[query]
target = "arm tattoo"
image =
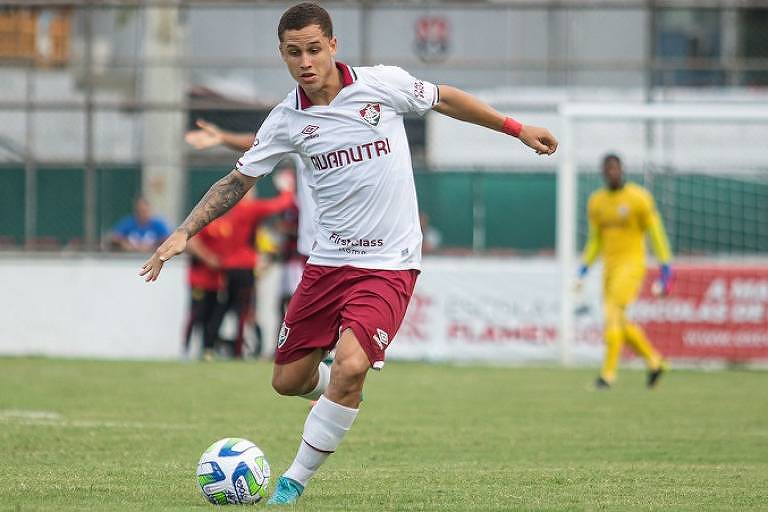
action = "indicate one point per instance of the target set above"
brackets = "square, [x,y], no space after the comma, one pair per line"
[223,195]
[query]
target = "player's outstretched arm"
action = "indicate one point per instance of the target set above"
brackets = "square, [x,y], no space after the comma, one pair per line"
[222,196]
[590,253]
[465,107]
[661,249]
[210,135]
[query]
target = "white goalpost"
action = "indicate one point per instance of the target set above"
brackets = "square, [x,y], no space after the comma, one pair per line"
[707,165]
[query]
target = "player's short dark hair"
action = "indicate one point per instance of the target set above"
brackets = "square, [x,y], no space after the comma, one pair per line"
[303,15]
[611,156]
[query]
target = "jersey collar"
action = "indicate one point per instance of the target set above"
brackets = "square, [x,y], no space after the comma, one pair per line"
[348,77]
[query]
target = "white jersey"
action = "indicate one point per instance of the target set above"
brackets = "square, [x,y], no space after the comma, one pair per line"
[358,165]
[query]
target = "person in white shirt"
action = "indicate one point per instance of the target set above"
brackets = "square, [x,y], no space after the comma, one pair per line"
[346,124]
[299,235]
[209,135]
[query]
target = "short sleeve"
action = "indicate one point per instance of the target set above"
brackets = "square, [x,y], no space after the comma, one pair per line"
[271,145]
[408,94]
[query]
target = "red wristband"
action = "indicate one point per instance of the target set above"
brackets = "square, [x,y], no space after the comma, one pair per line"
[512,127]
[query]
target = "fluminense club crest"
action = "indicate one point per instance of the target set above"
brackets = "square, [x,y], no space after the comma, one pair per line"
[283,336]
[433,36]
[371,113]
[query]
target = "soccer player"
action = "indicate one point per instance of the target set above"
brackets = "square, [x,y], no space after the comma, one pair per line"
[619,217]
[205,282]
[297,224]
[231,239]
[346,123]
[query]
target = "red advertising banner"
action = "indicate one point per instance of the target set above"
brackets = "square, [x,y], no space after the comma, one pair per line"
[510,311]
[713,312]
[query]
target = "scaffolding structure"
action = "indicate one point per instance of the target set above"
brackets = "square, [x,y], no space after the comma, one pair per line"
[37,36]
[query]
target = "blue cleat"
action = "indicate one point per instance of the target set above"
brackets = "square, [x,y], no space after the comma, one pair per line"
[286,492]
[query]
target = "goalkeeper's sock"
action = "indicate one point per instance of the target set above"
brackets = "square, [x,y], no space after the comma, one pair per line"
[326,425]
[637,339]
[323,378]
[614,340]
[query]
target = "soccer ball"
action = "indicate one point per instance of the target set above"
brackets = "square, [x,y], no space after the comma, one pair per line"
[233,470]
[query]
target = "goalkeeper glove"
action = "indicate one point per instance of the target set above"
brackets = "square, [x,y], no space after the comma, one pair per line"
[578,284]
[664,283]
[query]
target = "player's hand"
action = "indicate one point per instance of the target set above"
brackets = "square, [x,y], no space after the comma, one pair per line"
[662,286]
[284,181]
[581,306]
[578,283]
[209,135]
[173,245]
[540,139]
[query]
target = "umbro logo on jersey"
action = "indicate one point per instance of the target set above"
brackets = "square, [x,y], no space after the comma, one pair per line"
[381,338]
[371,113]
[309,129]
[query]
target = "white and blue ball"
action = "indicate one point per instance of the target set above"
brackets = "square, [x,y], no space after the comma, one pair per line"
[233,471]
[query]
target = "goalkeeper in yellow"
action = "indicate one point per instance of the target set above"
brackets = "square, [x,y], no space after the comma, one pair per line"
[619,217]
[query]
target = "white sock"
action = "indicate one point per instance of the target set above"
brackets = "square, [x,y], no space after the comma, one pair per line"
[326,425]
[323,378]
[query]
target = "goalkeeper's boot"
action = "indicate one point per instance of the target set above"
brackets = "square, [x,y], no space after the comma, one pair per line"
[602,385]
[286,492]
[655,375]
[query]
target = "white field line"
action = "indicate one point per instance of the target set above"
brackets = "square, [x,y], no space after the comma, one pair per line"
[54,419]
[27,415]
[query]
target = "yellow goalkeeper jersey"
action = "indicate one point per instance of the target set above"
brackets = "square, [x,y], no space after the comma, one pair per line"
[618,221]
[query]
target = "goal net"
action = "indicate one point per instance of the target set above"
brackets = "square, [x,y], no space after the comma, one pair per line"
[706,166]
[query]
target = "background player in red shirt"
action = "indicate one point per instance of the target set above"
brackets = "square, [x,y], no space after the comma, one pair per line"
[293,258]
[205,282]
[221,273]
[231,239]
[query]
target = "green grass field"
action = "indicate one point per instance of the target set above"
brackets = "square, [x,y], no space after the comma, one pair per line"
[86,435]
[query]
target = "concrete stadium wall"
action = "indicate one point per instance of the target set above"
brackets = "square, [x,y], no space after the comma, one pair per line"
[495,310]
[89,307]
[96,306]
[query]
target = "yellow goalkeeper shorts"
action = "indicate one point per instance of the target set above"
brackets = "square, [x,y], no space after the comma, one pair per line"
[621,284]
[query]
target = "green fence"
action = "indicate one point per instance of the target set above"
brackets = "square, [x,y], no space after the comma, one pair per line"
[702,213]
[11,206]
[60,203]
[464,206]
[486,211]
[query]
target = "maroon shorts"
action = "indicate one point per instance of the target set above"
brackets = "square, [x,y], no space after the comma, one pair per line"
[330,300]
